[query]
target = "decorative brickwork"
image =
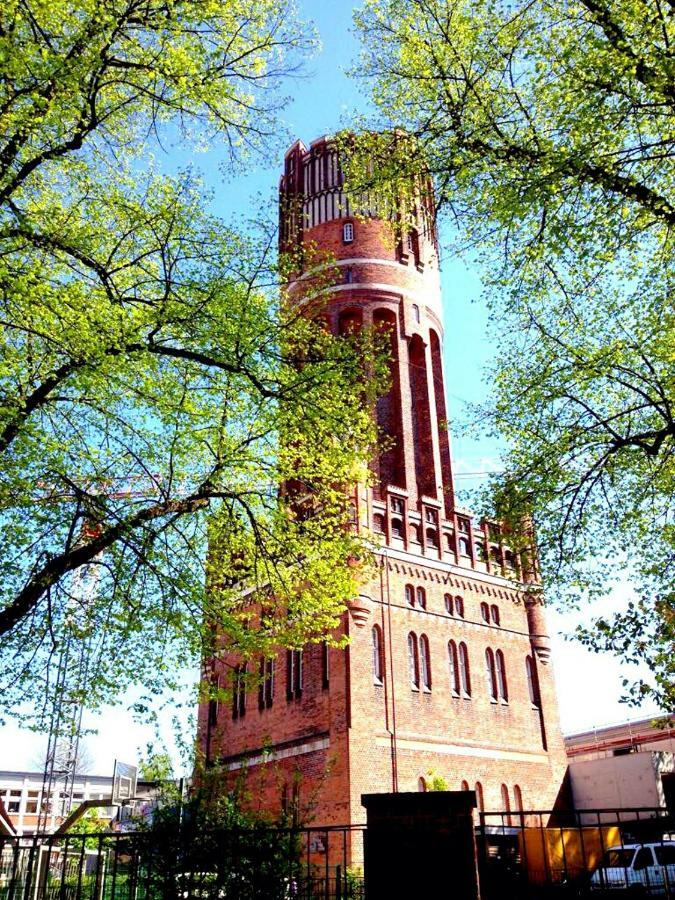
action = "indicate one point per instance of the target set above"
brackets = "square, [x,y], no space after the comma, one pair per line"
[445,687]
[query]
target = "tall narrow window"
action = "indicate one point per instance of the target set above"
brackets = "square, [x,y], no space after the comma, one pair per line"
[239,691]
[425,662]
[293,674]
[459,607]
[464,671]
[413,662]
[494,614]
[502,684]
[421,597]
[421,785]
[491,674]
[506,805]
[518,798]
[480,803]
[378,655]
[454,668]
[348,232]
[464,786]
[325,665]
[532,686]
[449,605]
[266,686]
[485,612]
[409,595]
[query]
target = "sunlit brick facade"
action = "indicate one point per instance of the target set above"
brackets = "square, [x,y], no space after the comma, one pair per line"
[447,670]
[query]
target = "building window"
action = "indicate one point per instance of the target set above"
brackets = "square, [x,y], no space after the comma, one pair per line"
[213,704]
[396,505]
[378,655]
[502,684]
[266,687]
[463,547]
[464,786]
[421,598]
[348,232]
[415,534]
[32,802]
[325,665]
[480,551]
[430,516]
[416,312]
[464,671]
[397,528]
[478,788]
[348,275]
[494,614]
[421,785]
[506,805]
[410,595]
[485,612]
[413,662]
[239,691]
[378,523]
[449,605]
[293,674]
[491,674]
[13,801]
[425,662]
[518,798]
[532,686]
[453,663]
[459,607]
[432,537]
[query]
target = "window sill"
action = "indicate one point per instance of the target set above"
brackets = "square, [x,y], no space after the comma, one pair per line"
[426,690]
[414,688]
[503,702]
[466,696]
[377,682]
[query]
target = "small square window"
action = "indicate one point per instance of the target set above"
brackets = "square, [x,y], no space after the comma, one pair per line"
[348,232]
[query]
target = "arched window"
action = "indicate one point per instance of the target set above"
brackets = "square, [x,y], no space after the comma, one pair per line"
[506,805]
[454,668]
[421,785]
[464,672]
[414,533]
[485,612]
[480,803]
[494,614]
[432,537]
[293,674]
[459,607]
[449,605]
[266,685]
[532,686]
[409,595]
[502,684]
[517,798]
[463,546]
[413,661]
[491,674]
[421,596]
[378,523]
[378,655]
[425,662]
[239,691]
[464,786]
[348,232]
[397,528]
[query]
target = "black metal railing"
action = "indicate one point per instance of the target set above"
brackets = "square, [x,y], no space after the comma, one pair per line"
[250,864]
[584,853]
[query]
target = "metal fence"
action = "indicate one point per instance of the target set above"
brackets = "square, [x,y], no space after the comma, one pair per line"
[596,853]
[247,864]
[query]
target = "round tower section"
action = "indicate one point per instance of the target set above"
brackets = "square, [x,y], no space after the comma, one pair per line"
[358,267]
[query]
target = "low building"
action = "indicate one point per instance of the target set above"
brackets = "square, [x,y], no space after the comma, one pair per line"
[21,794]
[625,766]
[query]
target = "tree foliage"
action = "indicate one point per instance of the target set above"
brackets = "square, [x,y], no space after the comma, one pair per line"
[548,127]
[153,385]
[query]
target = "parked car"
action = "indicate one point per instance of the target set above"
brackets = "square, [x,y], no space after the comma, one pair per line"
[643,869]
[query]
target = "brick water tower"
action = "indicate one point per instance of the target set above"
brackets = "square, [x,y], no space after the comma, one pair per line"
[447,669]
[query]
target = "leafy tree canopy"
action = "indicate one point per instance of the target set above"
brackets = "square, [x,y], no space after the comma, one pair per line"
[152,386]
[549,129]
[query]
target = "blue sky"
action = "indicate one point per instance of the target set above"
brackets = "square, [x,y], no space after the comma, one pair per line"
[325,99]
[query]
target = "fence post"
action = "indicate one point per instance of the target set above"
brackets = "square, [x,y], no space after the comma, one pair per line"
[417,844]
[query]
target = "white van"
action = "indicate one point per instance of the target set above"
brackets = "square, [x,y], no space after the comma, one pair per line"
[647,869]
